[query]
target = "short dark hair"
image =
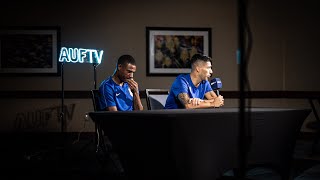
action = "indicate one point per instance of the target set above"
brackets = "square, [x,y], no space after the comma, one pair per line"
[126,59]
[199,57]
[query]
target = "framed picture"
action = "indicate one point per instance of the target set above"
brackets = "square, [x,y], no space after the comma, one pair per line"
[169,50]
[29,51]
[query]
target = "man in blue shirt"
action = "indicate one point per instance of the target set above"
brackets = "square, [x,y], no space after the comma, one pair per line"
[120,91]
[193,90]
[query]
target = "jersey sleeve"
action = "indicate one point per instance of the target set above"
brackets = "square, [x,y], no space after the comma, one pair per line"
[208,87]
[108,96]
[180,86]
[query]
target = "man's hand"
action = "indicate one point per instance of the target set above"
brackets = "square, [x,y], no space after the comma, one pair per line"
[218,101]
[133,85]
[195,101]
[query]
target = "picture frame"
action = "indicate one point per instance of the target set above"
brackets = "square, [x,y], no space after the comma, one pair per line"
[29,51]
[169,49]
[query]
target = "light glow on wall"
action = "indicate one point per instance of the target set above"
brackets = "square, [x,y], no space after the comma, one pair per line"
[80,55]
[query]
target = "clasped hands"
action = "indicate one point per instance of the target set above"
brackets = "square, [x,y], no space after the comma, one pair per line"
[216,102]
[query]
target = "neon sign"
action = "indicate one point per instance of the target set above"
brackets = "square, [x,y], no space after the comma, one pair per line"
[80,55]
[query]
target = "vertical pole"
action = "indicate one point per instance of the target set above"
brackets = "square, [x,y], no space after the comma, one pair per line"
[62,100]
[242,154]
[94,76]
[95,87]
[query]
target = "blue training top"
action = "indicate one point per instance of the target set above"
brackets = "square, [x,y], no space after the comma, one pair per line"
[116,95]
[183,84]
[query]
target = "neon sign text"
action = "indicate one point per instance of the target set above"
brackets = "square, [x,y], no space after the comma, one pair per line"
[80,55]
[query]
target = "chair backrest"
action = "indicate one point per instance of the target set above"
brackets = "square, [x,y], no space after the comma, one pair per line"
[96,95]
[156,98]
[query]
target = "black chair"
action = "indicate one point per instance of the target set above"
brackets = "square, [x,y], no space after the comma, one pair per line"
[103,144]
[95,96]
[156,98]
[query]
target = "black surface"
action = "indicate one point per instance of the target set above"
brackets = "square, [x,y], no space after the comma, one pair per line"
[199,144]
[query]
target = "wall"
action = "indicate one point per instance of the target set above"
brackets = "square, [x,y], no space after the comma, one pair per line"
[284,54]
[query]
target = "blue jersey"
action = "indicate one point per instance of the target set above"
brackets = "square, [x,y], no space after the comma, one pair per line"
[116,95]
[183,84]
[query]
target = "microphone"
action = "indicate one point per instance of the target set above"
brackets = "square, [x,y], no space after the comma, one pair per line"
[216,84]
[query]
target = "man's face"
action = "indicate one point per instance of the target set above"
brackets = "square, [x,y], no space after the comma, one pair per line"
[205,70]
[126,71]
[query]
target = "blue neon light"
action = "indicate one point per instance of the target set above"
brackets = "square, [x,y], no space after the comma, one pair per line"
[80,55]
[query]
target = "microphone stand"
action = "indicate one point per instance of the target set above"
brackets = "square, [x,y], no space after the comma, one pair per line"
[95,87]
[62,116]
[62,99]
[95,141]
[94,75]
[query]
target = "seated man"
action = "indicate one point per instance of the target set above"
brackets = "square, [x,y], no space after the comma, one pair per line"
[120,91]
[193,90]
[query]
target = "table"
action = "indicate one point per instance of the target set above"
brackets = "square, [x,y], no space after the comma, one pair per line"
[198,144]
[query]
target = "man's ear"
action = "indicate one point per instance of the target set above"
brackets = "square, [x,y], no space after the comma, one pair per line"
[119,66]
[197,68]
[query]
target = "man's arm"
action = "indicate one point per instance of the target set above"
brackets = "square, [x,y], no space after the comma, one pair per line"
[112,108]
[219,100]
[137,105]
[210,95]
[195,103]
[108,97]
